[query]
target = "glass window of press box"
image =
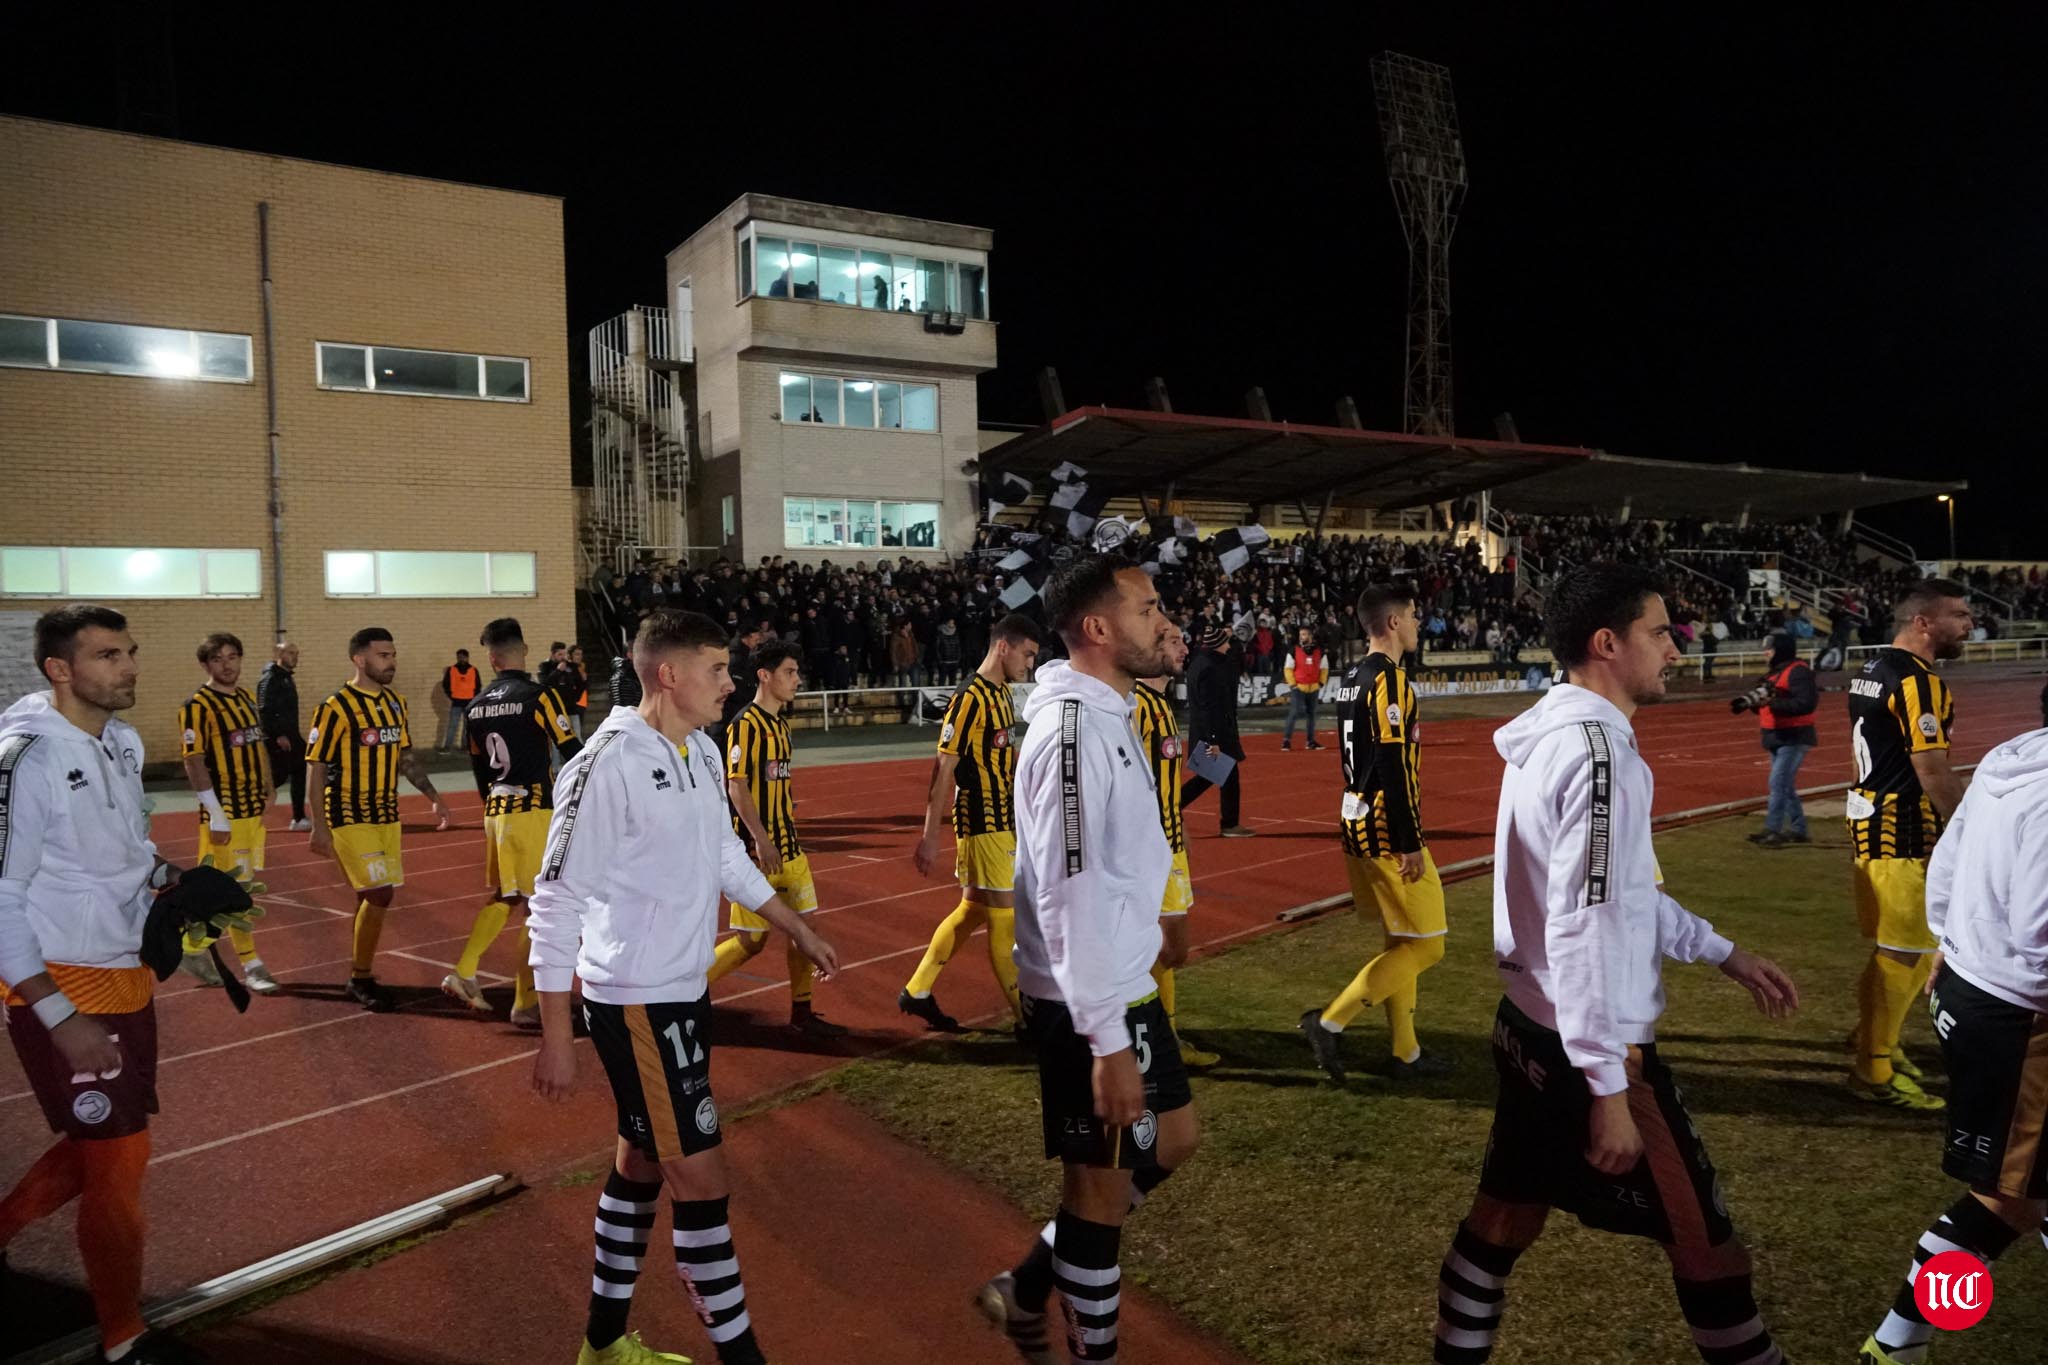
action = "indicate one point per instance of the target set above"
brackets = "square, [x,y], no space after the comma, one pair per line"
[859,523]
[882,404]
[778,264]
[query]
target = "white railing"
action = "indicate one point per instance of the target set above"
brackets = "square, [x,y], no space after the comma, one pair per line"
[1884,544]
[1729,665]
[639,441]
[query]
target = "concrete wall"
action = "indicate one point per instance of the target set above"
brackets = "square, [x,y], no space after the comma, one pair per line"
[117,228]
[742,345]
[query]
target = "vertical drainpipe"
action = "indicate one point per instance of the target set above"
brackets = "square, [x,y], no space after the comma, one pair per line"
[270,404]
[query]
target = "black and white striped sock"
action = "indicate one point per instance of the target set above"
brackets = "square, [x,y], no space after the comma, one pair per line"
[711,1276]
[625,1213]
[1471,1296]
[1726,1326]
[1967,1226]
[1085,1272]
[1034,1273]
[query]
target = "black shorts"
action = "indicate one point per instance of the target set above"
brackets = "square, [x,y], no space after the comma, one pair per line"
[1066,1085]
[1997,1055]
[658,1057]
[1536,1153]
[88,1106]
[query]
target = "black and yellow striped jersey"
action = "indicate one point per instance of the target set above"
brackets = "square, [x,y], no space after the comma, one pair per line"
[979,730]
[513,725]
[1160,731]
[224,729]
[1382,807]
[757,752]
[1898,707]
[359,736]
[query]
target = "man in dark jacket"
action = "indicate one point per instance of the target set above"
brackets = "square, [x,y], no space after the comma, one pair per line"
[277,708]
[1784,702]
[1212,721]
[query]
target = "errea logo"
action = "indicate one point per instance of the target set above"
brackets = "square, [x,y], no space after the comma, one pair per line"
[76,777]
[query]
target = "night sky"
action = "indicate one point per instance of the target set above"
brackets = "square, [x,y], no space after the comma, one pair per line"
[1813,241]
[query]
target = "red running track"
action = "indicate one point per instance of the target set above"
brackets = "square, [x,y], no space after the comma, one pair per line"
[306,1115]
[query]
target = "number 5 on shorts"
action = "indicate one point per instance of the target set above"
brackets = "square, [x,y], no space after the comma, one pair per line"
[1143,1047]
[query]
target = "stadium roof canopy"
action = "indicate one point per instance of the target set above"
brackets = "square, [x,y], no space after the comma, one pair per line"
[1131,452]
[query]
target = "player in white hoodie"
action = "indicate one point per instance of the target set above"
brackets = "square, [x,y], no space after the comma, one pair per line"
[641,857]
[1588,1118]
[1987,904]
[1092,864]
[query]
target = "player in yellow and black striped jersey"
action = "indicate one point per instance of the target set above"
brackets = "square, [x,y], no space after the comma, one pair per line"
[758,758]
[974,779]
[1900,716]
[359,744]
[227,763]
[1388,861]
[514,726]
[1159,731]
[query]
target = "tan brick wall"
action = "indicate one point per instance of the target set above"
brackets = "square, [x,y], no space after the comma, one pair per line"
[127,229]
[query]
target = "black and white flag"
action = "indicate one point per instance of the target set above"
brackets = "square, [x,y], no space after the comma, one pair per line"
[1234,547]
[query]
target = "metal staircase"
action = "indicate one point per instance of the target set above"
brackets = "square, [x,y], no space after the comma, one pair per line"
[640,444]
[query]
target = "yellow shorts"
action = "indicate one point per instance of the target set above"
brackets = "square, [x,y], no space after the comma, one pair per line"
[1407,909]
[514,845]
[793,884]
[1180,888]
[1891,903]
[369,855]
[987,862]
[242,854]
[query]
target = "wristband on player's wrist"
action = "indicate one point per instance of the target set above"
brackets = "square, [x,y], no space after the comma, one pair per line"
[53,1009]
[216,818]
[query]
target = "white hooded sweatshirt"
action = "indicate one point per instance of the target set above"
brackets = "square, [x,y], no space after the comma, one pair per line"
[1092,860]
[1987,884]
[641,857]
[75,853]
[1580,924]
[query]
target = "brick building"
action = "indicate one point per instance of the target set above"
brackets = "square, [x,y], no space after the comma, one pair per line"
[419,329]
[832,392]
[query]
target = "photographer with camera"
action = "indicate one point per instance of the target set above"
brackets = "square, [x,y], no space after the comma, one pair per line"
[1784,702]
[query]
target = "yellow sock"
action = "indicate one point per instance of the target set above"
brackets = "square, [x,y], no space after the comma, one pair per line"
[966,917]
[489,922]
[523,994]
[1385,976]
[801,976]
[1002,940]
[1883,995]
[369,928]
[1162,976]
[245,944]
[731,952]
[1401,1024]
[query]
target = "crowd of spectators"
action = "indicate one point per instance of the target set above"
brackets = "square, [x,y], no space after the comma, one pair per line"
[912,622]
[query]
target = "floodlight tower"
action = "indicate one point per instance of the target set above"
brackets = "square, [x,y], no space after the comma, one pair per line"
[1426,168]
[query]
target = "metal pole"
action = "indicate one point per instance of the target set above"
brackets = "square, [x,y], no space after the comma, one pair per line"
[1951,528]
[270,407]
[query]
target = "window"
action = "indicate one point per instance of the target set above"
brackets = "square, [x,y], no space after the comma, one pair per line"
[838,274]
[727,523]
[431,573]
[774,264]
[100,571]
[117,348]
[859,402]
[423,374]
[859,523]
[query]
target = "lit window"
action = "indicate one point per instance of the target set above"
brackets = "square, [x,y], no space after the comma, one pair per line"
[866,403]
[104,571]
[776,264]
[423,374]
[859,523]
[117,348]
[431,573]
